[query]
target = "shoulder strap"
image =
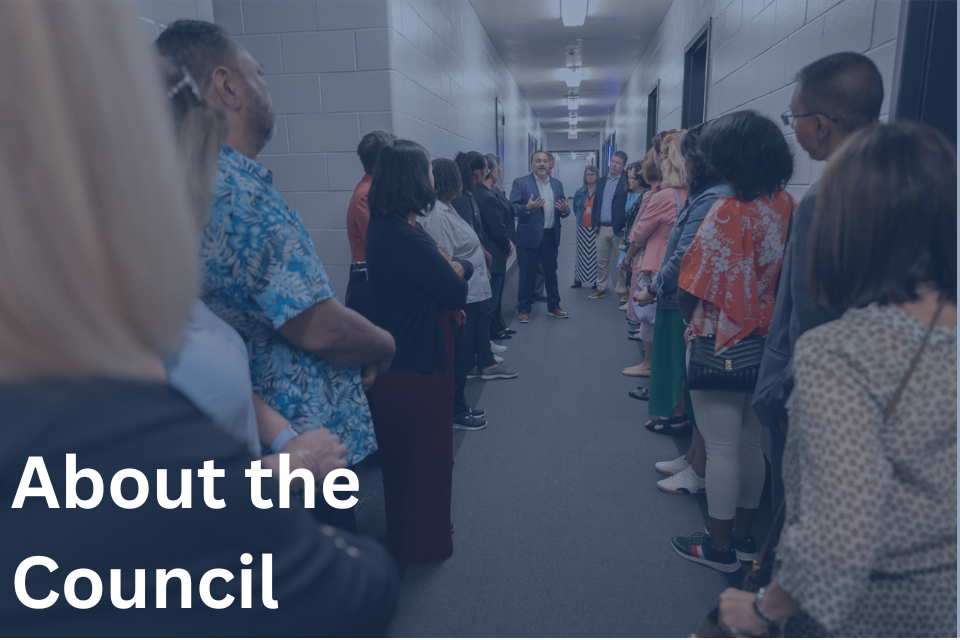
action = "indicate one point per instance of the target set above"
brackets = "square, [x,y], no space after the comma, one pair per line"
[676,197]
[913,363]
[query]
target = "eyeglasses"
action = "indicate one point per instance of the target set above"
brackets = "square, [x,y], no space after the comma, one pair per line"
[786,115]
[186,82]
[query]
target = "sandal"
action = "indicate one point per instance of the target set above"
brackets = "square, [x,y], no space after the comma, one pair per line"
[677,427]
[641,393]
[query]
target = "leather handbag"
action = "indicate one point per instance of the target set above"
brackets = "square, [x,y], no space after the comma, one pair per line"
[733,370]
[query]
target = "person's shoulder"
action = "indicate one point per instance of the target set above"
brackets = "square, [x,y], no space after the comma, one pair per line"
[847,338]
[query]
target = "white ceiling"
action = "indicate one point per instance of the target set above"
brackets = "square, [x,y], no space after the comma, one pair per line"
[534,44]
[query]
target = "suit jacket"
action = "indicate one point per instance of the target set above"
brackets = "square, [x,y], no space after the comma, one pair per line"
[618,208]
[530,223]
[496,239]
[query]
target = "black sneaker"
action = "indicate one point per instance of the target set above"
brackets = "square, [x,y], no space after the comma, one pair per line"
[698,549]
[746,547]
[468,422]
[476,413]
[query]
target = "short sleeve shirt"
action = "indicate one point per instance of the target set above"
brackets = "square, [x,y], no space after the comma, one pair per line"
[259,270]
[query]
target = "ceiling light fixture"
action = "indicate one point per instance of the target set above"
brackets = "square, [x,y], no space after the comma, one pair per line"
[572,76]
[573,12]
[573,103]
[573,155]
[572,119]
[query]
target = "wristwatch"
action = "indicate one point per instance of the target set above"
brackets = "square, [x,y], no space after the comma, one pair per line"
[757,599]
[289,432]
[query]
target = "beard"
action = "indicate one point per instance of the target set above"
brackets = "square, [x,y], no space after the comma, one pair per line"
[261,114]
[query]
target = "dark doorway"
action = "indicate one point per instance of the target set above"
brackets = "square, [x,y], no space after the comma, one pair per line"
[928,73]
[652,116]
[695,79]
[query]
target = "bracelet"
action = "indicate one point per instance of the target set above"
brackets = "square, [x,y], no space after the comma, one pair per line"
[757,599]
[289,432]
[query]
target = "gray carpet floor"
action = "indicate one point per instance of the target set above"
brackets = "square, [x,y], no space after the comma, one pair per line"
[560,529]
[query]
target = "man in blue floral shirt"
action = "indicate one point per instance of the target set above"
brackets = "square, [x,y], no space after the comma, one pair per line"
[310,357]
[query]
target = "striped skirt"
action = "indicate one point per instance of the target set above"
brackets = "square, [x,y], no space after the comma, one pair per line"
[586,271]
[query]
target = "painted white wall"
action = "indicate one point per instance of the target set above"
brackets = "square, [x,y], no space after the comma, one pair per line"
[448,76]
[756,49]
[155,15]
[424,70]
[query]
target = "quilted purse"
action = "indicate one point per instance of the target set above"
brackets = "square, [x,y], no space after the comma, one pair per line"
[733,370]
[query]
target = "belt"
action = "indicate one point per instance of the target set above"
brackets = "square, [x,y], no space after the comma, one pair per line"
[358,267]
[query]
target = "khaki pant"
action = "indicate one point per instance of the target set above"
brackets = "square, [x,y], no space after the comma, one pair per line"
[606,243]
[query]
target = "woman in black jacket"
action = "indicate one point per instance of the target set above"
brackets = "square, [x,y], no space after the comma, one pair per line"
[419,294]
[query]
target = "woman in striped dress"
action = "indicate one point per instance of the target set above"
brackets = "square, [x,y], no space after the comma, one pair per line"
[586,270]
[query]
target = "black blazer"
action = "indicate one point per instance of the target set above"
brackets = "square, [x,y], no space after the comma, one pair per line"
[618,208]
[412,282]
[496,238]
[509,221]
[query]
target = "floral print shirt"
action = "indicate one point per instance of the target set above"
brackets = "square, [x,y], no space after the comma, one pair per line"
[732,266]
[259,270]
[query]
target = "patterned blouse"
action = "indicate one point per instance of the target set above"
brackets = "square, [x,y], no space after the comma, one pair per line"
[732,266]
[869,546]
[259,270]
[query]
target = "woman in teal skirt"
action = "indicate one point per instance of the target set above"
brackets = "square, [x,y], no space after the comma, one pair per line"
[670,403]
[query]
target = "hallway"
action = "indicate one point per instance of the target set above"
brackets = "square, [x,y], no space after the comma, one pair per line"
[560,530]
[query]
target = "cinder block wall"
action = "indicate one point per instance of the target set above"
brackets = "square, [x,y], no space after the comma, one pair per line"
[756,49]
[337,69]
[448,77]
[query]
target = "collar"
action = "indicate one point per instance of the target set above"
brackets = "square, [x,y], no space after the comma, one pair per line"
[233,158]
[367,178]
[538,179]
[614,179]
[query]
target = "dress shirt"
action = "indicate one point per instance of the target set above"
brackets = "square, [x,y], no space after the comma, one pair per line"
[358,217]
[606,207]
[546,192]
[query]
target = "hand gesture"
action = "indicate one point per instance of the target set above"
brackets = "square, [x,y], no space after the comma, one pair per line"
[534,204]
[561,205]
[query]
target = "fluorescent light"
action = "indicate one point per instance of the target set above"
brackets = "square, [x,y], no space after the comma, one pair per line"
[572,119]
[572,76]
[573,103]
[573,155]
[573,12]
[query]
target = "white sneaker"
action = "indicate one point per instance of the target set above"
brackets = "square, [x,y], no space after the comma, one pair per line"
[673,467]
[686,481]
[497,358]
[624,306]
[497,348]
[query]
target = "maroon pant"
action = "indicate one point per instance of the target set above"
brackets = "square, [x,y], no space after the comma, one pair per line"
[413,415]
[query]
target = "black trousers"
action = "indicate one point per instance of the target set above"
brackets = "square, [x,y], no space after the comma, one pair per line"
[530,260]
[471,350]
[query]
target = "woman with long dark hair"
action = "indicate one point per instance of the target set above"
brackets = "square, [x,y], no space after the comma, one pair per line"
[419,297]
[869,546]
[727,280]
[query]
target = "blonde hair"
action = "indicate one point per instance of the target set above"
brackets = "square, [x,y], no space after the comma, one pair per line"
[201,131]
[98,247]
[671,168]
